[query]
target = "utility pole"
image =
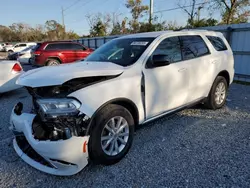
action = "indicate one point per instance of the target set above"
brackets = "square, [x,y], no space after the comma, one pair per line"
[199,13]
[63,18]
[151,11]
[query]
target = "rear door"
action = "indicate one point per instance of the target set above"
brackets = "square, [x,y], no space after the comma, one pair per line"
[68,52]
[80,51]
[197,56]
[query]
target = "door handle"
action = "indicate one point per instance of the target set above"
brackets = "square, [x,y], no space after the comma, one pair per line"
[214,62]
[182,70]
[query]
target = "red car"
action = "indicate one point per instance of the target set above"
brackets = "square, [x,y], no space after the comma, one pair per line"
[55,53]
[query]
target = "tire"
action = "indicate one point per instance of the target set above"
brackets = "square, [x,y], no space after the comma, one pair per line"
[99,131]
[52,62]
[10,51]
[213,101]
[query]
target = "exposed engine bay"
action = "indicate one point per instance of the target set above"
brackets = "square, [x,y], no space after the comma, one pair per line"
[56,126]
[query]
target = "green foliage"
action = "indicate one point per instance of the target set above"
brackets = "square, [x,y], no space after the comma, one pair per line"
[117,29]
[233,11]
[21,32]
[203,22]
[98,29]
[137,10]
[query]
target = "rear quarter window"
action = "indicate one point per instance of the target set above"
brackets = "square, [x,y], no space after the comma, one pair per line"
[217,43]
[193,46]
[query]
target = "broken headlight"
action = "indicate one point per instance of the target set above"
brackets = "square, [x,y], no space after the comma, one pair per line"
[59,107]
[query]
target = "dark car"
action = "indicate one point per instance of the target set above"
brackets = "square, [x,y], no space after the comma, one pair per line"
[12,56]
[55,53]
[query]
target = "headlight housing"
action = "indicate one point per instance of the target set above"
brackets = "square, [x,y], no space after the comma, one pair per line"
[59,107]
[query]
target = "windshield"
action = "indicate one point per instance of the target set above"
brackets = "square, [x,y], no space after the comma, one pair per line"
[123,52]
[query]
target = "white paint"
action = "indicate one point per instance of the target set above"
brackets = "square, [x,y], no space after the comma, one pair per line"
[7,78]
[166,88]
[70,150]
[57,75]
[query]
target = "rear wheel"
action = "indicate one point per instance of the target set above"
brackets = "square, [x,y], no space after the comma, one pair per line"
[112,134]
[52,62]
[218,93]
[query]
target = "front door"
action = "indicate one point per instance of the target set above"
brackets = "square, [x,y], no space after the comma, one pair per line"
[166,86]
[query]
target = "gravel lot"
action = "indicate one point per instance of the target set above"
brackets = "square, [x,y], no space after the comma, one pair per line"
[3,55]
[193,148]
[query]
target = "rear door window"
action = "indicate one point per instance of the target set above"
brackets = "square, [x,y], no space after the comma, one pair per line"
[77,47]
[193,46]
[218,43]
[55,46]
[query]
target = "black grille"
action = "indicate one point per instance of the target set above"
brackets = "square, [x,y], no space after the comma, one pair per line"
[29,151]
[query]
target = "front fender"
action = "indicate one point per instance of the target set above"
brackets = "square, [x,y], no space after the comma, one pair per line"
[95,96]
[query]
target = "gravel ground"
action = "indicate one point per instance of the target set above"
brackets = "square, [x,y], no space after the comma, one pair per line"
[193,148]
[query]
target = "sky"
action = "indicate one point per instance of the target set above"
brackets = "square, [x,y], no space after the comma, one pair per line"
[38,12]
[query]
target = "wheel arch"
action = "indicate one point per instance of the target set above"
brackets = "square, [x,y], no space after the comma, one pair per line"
[126,103]
[226,75]
[53,57]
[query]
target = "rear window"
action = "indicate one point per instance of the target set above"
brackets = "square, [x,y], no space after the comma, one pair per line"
[218,43]
[34,48]
[193,46]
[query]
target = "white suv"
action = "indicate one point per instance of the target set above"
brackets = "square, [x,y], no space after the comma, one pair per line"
[18,47]
[88,110]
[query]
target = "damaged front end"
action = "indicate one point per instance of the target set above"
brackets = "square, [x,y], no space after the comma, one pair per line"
[53,137]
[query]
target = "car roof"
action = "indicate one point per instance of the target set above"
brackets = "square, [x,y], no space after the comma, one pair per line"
[67,41]
[160,33]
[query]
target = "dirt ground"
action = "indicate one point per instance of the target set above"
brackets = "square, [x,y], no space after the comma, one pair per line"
[3,55]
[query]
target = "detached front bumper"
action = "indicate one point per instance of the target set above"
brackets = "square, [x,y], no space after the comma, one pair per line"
[62,157]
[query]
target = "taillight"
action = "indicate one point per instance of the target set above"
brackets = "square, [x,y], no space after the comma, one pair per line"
[16,68]
[37,52]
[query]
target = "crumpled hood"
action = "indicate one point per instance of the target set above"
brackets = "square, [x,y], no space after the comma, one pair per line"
[57,75]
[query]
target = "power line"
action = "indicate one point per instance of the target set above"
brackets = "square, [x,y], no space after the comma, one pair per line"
[176,8]
[77,1]
[85,3]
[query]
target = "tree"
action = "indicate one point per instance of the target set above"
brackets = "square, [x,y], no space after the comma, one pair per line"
[192,11]
[204,22]
[137,10]
[71,35]
[54,30]
[99,24]
[233,11]
[98,29]
[117,29]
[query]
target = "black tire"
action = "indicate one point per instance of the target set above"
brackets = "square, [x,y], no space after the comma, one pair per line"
[97,154]
[52,62]
[211,99]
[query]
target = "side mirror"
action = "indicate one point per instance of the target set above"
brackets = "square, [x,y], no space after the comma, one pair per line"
[160,60]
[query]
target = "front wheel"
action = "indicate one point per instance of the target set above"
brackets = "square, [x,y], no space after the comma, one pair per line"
[112,134]
[218,93]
